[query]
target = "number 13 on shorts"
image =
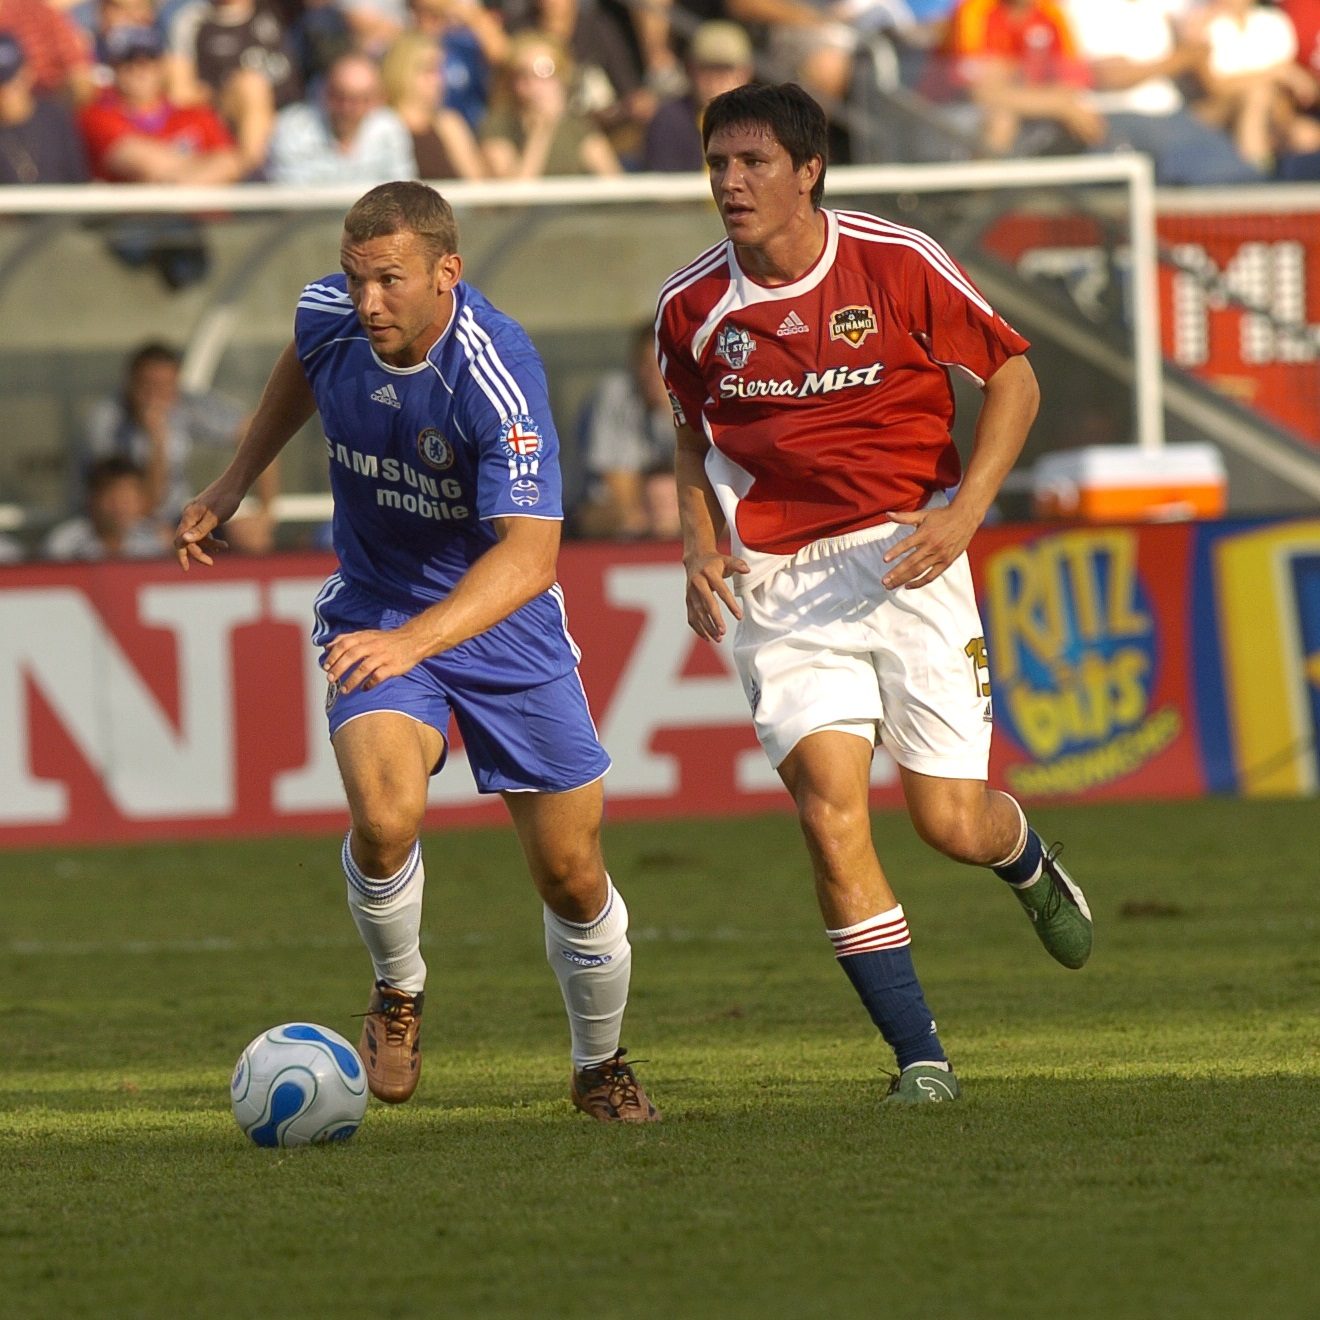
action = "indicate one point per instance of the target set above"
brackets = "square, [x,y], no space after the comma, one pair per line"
[976,652]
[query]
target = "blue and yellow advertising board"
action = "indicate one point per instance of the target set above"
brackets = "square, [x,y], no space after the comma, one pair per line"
[1154,661]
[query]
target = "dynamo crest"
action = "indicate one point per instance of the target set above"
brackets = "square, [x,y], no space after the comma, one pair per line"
[734,345]
[852,324]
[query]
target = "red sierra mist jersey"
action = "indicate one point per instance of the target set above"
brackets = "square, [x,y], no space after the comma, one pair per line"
[827,402]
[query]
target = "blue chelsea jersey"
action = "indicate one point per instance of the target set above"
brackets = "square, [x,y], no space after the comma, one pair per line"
[423,458]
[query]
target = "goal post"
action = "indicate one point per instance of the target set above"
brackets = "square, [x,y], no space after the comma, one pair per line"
[579,262]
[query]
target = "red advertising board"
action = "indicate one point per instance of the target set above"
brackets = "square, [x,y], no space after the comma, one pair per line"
[1239,295]
[137,702]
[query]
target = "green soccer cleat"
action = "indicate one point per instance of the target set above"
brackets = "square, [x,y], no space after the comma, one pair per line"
[922,1084]
[1057,908]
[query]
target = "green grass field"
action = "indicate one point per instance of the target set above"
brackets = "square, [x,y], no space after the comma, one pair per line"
[1137,1139]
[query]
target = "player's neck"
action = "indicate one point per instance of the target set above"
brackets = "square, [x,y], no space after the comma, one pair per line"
[787,256]
[415,353]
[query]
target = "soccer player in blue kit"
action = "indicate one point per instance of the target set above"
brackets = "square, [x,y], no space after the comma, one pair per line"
[444,470]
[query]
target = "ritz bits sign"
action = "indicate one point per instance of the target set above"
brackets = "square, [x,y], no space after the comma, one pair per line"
[1088,662]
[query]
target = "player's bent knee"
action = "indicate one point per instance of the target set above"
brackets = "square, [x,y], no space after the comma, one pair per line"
[831,828]
[387,827]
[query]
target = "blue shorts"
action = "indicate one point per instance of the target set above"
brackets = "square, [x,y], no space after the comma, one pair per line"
[534,739]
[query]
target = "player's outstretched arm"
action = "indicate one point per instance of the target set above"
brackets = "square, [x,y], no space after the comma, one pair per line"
[286,405]
[702,521]
[1008,408]
[516,569]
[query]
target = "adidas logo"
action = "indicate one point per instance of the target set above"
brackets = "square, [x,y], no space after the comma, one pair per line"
[387,395]
[792,324]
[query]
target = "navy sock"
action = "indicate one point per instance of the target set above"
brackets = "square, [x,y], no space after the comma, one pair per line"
[1026,864]
[886,982]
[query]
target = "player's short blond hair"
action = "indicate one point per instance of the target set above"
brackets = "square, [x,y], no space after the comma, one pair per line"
[404,207]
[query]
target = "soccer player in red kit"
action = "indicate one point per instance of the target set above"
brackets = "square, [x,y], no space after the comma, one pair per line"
[808,359]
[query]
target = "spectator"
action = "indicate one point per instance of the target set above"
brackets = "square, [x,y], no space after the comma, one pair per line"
[812,42]
[56,49]
[320,35]
[39,142]
[472,42]
[627,438]
[1136,58]
[1252,85]
[1016,62]
[719,58]
[117,522]
[533,129]
[647,31]
[1305,15]
[1302,160]
[442,141]
[158,426]
[105,15]
[373,24]
[348,136]
[135,134]
[235,55]
[607,85]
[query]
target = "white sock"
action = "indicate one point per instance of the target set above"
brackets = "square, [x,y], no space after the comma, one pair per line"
[593,961]
[388,915]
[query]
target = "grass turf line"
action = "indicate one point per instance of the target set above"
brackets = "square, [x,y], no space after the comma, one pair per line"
[1136,1139]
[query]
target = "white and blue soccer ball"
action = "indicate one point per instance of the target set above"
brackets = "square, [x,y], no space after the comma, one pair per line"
[297,1084]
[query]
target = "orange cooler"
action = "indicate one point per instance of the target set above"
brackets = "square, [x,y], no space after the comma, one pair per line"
[1125,483]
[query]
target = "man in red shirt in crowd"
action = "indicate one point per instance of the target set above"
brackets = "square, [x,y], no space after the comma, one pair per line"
[134,134]
[1305,15]
[1304,165]
[1017,62]
[808,361]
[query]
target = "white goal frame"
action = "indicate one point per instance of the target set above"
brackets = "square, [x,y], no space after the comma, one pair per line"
[1132,170]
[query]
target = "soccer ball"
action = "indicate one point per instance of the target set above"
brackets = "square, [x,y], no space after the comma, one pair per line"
[297,1084]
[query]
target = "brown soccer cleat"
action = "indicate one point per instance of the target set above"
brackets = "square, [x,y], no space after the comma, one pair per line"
[611,1093]
[391,1044]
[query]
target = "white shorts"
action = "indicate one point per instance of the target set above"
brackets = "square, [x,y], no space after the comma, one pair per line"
[823,644]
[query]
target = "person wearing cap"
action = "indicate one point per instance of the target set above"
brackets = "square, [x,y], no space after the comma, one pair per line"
[38,140]
[135,134]
[719,58]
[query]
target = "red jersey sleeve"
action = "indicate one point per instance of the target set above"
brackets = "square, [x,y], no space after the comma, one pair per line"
[687,390]
[950,316]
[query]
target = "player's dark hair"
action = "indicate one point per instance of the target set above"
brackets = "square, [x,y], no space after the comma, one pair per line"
[404,207]
[794,119]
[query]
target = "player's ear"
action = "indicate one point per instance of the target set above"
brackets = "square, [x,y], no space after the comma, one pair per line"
[448,272]
[810,172]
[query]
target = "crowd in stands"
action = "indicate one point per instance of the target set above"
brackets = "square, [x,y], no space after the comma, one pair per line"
[358,91]
[1217,92]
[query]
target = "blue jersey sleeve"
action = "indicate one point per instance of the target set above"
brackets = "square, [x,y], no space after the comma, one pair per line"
[505,410]
[324,314]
